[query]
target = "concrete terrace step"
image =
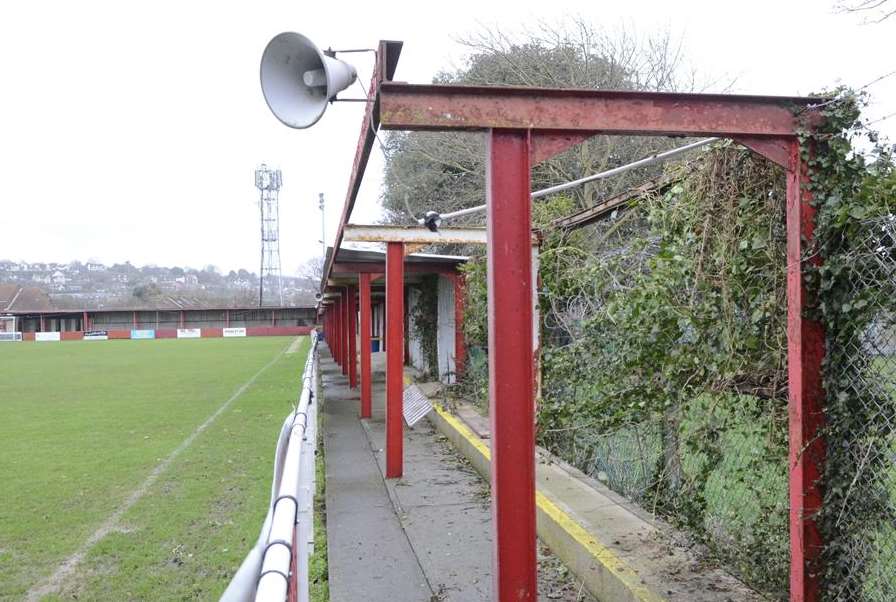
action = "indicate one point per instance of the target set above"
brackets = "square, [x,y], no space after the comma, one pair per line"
[619,551]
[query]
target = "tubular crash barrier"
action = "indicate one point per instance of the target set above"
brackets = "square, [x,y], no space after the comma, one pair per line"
[281,554]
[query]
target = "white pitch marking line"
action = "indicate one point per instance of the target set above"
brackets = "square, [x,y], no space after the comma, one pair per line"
[54,583]
[295,346]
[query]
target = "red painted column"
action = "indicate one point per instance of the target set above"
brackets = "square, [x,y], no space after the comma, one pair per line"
[337,320]
[352,314]
[510,366]
[366,386]
[805,352]
[460,351]
[343,339]
[181,319]
[394,359]
[134,320]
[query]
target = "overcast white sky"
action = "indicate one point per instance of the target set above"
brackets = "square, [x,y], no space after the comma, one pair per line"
[130,131]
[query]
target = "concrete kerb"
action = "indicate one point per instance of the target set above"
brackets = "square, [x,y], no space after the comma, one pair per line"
[604,574]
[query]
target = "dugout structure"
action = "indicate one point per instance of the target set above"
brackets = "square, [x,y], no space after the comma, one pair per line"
[524,126]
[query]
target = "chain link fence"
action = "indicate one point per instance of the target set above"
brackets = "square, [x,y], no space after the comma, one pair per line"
[860,501]
[664,371]
[665,357]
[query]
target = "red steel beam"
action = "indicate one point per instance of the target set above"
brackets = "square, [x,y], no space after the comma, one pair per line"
[366,387]
[552,111]
[386,61]
[352,340]
[805,352]
[511,399]
[394,358]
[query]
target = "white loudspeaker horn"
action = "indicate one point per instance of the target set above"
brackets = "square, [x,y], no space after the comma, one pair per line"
[298,80]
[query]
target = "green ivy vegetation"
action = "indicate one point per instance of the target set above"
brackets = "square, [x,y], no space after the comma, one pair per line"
[855,194]
[664,353]
[425,322]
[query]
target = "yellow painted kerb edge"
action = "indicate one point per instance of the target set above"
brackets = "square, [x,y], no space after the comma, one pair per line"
[602,554]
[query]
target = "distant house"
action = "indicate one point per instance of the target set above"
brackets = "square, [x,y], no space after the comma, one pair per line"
[121,277]
[58,277]
[95,267]
[43,278]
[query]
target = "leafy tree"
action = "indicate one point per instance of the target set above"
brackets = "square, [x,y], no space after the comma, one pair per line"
[147,292]
[444,171]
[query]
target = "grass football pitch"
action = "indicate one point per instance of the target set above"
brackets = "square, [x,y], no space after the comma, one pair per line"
[109,478]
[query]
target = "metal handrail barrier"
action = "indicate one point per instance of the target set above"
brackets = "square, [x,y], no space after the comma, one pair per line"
[267,571]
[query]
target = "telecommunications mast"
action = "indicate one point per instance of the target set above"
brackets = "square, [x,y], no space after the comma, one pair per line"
[270,283]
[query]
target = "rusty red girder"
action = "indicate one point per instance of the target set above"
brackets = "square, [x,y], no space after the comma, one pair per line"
[805,353]
[511,395]
[386,61]
[553,111]
[395,342]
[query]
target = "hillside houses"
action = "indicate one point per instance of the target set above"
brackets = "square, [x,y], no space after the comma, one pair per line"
[94,284]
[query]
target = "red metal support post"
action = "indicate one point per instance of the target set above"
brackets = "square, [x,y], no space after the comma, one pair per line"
[805,352]
[352,314]
[366,386]
[85,322]
[338,320]
[510,365]
[394,358]
[334,340]
[181,320]
[343,329]
[134,320]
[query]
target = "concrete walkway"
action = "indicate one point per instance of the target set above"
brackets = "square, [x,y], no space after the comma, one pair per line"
[424,537]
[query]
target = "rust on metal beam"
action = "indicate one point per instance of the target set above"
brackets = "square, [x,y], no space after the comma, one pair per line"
[545,146]
[387,59]
[548,110]
[776,150]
